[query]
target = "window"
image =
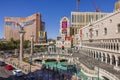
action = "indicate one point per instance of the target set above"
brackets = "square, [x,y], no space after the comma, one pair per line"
[105,31]
[96,32]
[91,30]
[87,34]
[118,27]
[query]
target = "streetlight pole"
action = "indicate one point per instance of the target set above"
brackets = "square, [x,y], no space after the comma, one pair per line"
[98,66]
[32,45]
[32,38]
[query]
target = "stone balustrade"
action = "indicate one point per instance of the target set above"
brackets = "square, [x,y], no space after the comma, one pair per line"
[105,73]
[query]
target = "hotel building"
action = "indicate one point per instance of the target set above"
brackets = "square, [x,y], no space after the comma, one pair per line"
[32,25]
[101,40]
[81,19]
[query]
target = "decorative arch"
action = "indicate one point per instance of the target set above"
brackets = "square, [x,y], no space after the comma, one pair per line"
[97,55]
[114,47]
[119,61]
[108,58]
[113,60]
[117,46]
[100,55]
[104,57]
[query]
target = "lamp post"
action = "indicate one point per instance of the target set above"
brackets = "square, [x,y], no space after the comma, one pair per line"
[32,45]
[32,38]
[98,66]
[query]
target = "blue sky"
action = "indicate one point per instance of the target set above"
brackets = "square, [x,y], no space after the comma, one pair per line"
[51,10]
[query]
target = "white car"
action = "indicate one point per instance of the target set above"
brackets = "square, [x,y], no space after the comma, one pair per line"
[17,72]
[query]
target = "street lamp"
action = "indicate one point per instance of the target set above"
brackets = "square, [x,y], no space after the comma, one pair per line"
[32,38]
[30,61]
[98,66]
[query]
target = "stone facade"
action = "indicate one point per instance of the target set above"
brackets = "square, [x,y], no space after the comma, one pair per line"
[101,39]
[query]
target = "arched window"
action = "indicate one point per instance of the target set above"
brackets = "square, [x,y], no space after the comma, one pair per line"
[118,27]
[96,32]
[105,31]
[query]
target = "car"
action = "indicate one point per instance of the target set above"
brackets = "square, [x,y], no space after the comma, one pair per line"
[2,63]
[8,67]
[17,73]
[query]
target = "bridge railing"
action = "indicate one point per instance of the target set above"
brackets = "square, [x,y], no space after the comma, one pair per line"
[15,65]
[107,74]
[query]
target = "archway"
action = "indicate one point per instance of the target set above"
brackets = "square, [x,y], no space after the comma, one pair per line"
[100,55]
[117,46]
[103,57]
[113,60]
[50,60]
[114,46]
[63,60]
[105,78]
[96,55]
[111,46]
[108,58]
[37,61]
[119,61]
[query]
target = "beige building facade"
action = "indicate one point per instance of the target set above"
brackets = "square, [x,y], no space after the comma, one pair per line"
[33,25]
[81,19]
[101,39]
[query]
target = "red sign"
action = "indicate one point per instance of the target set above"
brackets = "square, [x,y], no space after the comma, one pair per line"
[80,31]
[81,34]
[67,38]
[62,47]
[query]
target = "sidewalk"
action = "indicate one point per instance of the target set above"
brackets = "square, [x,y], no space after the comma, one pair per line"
[25,67]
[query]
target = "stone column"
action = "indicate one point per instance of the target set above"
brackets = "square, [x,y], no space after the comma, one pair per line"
[116,61]
[105,58]
[119,46]
[32,45]
[110,59]
[21,45]
[101,57]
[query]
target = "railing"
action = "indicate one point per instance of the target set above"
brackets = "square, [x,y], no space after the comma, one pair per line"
[107,74]
[52,56]
[88,71]
[15,65]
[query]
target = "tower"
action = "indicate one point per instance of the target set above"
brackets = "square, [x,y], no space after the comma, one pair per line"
[64,27]
[117,5]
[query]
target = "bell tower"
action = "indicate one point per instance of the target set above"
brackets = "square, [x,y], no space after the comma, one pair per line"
[117,5]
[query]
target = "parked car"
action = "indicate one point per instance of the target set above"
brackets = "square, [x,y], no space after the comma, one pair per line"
[18,73]
[8,67]
[2,63]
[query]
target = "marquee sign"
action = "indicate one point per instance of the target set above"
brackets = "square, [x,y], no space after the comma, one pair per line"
[13,23]
[64,24]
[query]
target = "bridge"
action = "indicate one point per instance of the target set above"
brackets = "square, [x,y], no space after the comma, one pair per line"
[57,57]
[88,66]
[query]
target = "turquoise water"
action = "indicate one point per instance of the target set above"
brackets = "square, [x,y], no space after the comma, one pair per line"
[65,66]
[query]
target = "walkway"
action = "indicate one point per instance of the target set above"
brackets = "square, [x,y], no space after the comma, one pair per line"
[90,63]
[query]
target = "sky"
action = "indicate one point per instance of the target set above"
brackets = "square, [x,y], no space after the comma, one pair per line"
[51,10]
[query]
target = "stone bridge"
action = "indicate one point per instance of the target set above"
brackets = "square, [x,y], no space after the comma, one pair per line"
[57,57]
